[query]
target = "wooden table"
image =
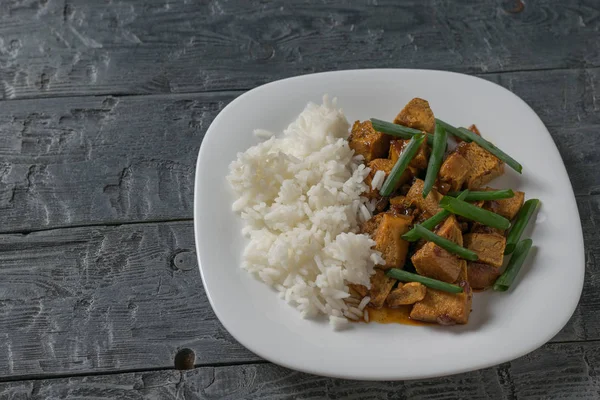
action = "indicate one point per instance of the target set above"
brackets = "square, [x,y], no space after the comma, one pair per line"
[103,108]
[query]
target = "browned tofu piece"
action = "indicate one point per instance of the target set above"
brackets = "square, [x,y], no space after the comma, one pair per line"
[398,201]
[508,208]
[420,159]
[368,142]
[429,205]
[418,115]
[407,293]
[360,289]
[451,230]
[482,276]
[437,263]
[489,247]
[483,165]
[381,286]
[480,228]
[453,171]
[473,128]
[369,227]
[388,239]
[385,165]
[446,308]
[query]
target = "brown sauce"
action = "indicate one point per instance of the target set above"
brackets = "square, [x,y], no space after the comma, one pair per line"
[387,315]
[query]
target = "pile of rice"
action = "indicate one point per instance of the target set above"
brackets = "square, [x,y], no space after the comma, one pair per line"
[300,197]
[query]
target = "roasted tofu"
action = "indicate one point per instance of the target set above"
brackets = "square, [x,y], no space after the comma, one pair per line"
[429,205]
[433,261]
[381,286]
[446,308]
[418,115]
[388,239]
[489,247]
[385,165]
[480,228]
[420,159]
[370,227]
[453,171]
[481,275]
[398,201]
[483,165]
[368,142]
[508,208]
[407,293]
[360,289]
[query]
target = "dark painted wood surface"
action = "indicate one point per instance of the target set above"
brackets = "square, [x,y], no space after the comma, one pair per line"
[103,106]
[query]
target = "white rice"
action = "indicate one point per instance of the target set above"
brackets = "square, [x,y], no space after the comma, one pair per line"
[299,195]
[378,180]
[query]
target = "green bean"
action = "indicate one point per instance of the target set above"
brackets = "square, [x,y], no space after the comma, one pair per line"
[400,131]
[486,195]
[474,213]
[445,244]
[407,155]
[432,222]
[511,162]
[404,276]
[435,159]
[521,221]
[514,266]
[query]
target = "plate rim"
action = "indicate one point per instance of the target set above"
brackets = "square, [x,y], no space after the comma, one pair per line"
[390,377]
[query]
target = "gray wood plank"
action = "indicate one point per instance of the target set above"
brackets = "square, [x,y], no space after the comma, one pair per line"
[105,299]
[566,371]
[73,47]
[133,158]
[93,299]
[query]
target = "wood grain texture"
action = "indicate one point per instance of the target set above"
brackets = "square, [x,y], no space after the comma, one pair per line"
[104,299]
[565,371]
[99,299]
[132,158]
[73,47]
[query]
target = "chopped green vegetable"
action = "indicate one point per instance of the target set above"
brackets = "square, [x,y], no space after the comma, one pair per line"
[446,244]
[453,131]
[514,266]
[432,222]
[489,195]
[474,213]
[404,276]
[401,131]
[521,221]
[435,159]
[407,155]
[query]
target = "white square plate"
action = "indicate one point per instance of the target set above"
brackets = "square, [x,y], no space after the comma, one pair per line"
[502,326]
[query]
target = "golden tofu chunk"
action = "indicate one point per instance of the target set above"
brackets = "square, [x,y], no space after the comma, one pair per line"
[381,286]
[407,293]
[429,205]
[433,261]
[398,201]
[480,228]
[453,171]
[362,290]
[418,115]
[388,239]
[483,165]
[437,263]
[370,227]
[489,247]
[419,161]
[482,276]
[368,142]
[508,208]
[385,165]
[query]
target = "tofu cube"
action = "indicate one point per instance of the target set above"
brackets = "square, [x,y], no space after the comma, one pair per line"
[368,142]
[419,161]
[508,208]
[388,239]
[451,230]
[381,286]
[385,165]
[482,276]
[370,227]
[489,247]
[453,171]
[483,165]
[407,293]
[429,205]
[418,115]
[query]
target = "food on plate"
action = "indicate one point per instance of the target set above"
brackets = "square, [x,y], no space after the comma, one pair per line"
[343,221]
